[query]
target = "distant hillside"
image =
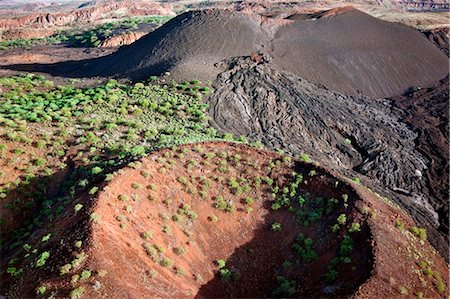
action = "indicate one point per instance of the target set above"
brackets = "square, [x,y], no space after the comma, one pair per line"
[104,9]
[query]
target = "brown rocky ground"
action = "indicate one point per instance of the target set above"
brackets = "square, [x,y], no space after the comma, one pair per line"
[398,147]
[51,54]
[158,229]
[371,139]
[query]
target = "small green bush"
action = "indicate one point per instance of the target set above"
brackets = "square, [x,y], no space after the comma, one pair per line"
[221,263]
[41,290]
[354,228]
[276,227]
[421,233]
[77,293]
[166,262]
[342,219]
[180,250]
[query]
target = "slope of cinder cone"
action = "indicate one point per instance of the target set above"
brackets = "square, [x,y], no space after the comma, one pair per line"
[188,46]
[352,52]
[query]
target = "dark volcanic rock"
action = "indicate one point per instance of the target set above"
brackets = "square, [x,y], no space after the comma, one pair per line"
[353,135]
[426,112]
[439,37]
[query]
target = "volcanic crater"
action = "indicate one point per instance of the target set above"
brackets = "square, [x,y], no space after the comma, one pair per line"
[227,220]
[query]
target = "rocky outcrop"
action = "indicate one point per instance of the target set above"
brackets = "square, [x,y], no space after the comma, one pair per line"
[425,112]
[439,37]
[122,39]
[430,5]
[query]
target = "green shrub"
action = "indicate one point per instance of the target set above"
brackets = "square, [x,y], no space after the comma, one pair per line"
[136,186]
[78,207]
[331,275]
[94,217]
[248,201]
[77,293]
[46,237]
[221,263]
[42,259]
[440,285]
[356,180]
[166,262]
[123,197]
[304,157]
[399,224]
[180,271]
[41,290]
[346,246]
[342,219]
[65,269]
[85,274]
[147,235]
[93,190]
[96,170]
[79,259]
[403,290]
[304,247]
[213,218]
[421,233]
[354,228]
[180,250]
[276,227]
[285,288]
[335,228]
[39,162]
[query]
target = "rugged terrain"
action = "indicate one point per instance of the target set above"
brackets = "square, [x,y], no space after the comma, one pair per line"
[155,183]
[32,26]
[111,9]
[371,139]
[318,48]
[222,219]
[359,134]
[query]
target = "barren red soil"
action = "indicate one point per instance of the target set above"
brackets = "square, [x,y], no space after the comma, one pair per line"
[152,232]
